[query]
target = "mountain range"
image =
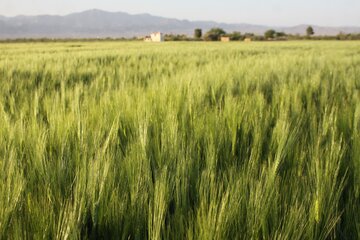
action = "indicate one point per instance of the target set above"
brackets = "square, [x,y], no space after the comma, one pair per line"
[100,24]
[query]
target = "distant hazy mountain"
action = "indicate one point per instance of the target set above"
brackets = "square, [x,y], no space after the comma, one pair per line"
[97,23]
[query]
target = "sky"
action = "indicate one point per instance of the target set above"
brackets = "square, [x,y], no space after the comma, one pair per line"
[264,12]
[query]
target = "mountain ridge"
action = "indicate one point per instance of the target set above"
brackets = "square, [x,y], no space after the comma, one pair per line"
[95,23]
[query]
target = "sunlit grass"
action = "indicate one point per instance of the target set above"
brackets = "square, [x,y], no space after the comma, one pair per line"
[180,140]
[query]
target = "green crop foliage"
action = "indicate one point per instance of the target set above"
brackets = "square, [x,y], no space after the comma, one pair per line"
[127,140]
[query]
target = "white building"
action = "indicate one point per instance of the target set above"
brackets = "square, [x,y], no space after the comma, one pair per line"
[155,37]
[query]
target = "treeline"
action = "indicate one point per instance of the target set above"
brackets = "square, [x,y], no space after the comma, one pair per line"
[214,34]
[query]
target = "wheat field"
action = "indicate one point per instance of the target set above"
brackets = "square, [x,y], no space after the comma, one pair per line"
[132,140]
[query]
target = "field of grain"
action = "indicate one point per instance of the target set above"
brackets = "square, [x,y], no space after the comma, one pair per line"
[114,140]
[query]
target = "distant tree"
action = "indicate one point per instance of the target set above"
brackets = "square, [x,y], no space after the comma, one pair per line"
[310,31]
[214,34]
[198,33]
[258,38]
[249,35]
[280,34]
[235,36]
[349,36]
[270,34]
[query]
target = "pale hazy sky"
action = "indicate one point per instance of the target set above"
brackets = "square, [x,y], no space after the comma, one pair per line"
[268,12]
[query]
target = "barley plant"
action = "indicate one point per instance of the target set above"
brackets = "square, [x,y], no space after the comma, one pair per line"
[127,140]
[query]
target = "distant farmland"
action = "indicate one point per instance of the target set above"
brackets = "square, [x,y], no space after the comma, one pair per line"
[180,140]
